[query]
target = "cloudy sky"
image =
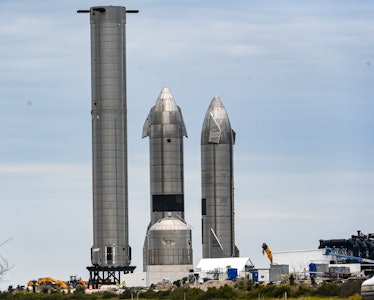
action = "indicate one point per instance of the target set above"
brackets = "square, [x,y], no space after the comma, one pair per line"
[297,81]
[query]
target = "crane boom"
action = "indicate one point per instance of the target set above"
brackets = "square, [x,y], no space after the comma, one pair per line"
[266,249]
[333,252]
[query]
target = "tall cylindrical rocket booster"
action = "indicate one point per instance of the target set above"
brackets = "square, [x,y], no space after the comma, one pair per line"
[165,128]
[109,137]
[217,140]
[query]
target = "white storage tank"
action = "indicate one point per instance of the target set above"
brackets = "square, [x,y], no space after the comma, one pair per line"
[367,289]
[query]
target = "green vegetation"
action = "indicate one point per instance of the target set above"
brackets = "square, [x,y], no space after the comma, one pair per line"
[241,289]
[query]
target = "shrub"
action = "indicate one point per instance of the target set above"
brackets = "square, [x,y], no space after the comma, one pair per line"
[355,297]
[328,289]
[108,295]
[180,294]
[149,294]
[281,290]
[128,294]
[227,292]
[303,290]
[350,287]
[291,279]
[79,289]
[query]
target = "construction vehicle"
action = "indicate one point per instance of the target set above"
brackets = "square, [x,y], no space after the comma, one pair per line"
[56,284]
[266,249]
[75,282]
[164,285]
[47,283]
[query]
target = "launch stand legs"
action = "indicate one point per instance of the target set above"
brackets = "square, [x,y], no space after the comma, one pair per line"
[107,275]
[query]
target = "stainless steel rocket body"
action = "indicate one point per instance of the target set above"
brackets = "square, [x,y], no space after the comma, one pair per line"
[109,137]
[217,140]
[172,244]
[169,242]
[165,128]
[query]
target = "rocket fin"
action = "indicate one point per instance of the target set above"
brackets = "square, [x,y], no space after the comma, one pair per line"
[147,124]
[214,130]
[233,136]
[236,253]
[216,249]
[184,130]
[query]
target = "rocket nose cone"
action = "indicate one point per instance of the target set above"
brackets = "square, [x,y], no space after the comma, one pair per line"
[165,89]
[165,112]
[165,101]
[216,103]
[216,126]
[217,109]
[165,93]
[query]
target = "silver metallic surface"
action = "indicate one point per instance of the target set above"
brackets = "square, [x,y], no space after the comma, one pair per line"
[367,289]
[170,243]
[165,128]
[109,137]
[217,140]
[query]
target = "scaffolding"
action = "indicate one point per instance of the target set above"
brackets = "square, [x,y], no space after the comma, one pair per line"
[107,275]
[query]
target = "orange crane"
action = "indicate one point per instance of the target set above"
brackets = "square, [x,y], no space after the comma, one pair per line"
[266,249]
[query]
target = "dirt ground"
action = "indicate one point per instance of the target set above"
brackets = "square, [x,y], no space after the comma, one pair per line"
[212,283]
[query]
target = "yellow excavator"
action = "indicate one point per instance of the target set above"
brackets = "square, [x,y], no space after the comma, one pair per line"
[266,249]
[47,282]
[56,284]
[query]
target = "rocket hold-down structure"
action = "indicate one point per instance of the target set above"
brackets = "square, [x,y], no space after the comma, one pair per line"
[167,251]
[217,182]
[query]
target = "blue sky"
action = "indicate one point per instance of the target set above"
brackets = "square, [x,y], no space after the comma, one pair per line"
[296,78]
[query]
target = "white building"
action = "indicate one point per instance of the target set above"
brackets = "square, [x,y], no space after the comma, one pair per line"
[136,279]
[216,268]
[261,275]
[299,261]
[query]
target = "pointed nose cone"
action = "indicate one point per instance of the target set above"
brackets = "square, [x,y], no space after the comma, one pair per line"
[216,127]
[217,109]
[165,101]
[165,118]
[216,103]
